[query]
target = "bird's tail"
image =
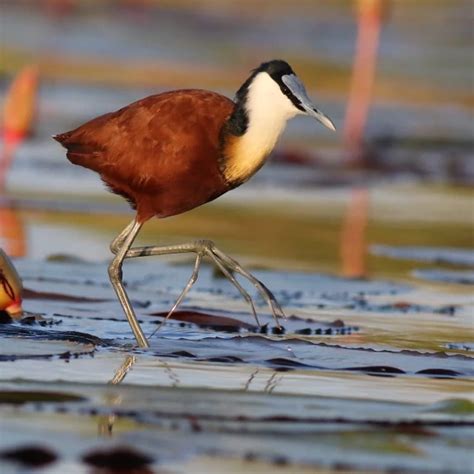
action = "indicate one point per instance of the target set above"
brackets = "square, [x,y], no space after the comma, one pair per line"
[78,152]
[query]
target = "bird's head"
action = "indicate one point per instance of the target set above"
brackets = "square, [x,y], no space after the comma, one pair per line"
[266,100]
[274,86]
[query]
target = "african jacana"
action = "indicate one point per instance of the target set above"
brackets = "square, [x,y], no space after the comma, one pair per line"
[171,152]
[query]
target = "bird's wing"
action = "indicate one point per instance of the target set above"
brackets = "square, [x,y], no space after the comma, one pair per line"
[145,142]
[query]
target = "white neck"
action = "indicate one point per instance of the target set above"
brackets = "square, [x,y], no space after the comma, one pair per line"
[268,110]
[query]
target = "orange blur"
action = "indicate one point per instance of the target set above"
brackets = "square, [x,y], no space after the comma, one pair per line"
[19,115]
[370,16]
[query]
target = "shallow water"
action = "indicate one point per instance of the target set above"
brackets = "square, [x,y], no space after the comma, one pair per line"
[359,360]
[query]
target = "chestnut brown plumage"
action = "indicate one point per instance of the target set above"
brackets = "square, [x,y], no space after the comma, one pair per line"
[171,152]
[160,152]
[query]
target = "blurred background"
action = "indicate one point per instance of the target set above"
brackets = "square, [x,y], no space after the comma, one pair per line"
[393,186]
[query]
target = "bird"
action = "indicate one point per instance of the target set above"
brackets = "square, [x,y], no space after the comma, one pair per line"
[11,288]
[171,152]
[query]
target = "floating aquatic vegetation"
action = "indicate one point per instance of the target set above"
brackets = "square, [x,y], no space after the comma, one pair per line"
[118,459]
[29,456]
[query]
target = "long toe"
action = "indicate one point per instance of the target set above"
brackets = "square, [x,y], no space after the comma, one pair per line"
[267,295]
[228,274]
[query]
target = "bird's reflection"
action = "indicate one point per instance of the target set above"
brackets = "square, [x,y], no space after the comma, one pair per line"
[123,370]
[250,380]
[353,235]
[106,423]
[273,381]
[172,374]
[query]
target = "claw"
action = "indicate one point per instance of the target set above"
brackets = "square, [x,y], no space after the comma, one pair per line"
[191,281]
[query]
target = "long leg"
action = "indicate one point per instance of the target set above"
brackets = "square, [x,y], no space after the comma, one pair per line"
[115,274]
[106,422]
[123,370]
[202,246]
[118,241]
[224,262]
[188,286]
[206,247]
